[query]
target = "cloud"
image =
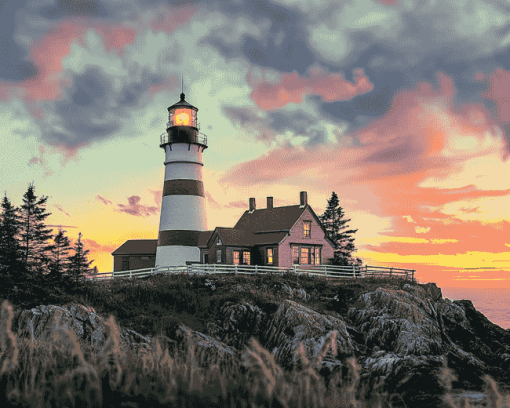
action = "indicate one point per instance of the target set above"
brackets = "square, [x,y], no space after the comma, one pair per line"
[136,209]
[103,200]
[291,88]
[59,207]
[158,194]
[93,246]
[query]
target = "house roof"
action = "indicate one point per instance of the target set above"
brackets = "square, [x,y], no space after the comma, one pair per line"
[137,246]
[270,219]
[148,246]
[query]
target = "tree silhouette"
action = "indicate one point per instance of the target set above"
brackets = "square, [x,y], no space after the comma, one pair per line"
[334,224]
[59,256]
[10,253]
[78,265]
[34,234]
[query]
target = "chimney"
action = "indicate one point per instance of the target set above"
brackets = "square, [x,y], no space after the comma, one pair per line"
[269,202]
[252,204]
[303,198]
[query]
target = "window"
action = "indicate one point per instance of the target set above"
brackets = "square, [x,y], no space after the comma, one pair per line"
[307,225]
[305,252]
[312,257]
[219,241]
[269,256]
[206,258]
[145,258]
[218,256]
[317,256]
[125,263]
[236,257]
[246,258]
[295,255]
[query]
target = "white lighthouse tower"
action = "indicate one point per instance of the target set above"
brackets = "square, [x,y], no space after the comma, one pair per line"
[183,214]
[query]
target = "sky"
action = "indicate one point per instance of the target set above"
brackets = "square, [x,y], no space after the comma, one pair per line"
[399,106]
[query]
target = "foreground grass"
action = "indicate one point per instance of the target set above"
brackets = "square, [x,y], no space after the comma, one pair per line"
[63,374]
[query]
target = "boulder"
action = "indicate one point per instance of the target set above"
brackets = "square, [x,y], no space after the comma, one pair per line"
[48,324]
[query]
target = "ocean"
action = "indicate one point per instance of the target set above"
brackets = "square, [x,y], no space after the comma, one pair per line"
[494,303]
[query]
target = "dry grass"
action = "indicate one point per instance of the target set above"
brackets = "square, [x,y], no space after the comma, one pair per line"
[63,374]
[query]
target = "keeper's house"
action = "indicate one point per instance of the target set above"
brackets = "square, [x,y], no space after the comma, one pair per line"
[273,236]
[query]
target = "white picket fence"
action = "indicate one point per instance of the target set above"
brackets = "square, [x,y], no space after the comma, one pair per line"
[312,270]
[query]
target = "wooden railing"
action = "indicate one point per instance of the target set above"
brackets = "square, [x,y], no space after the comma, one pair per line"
[312,270]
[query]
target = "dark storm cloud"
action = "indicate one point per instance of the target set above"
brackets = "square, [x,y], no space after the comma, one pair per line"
[283,47]
[94,107]
[13,58]
[298,122]
[64,8]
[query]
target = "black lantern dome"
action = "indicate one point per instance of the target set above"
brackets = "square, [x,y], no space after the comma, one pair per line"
[182,126]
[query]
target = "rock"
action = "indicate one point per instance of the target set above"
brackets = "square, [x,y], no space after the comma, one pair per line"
[43,324]
[401,338]
[293,324]
[236,323]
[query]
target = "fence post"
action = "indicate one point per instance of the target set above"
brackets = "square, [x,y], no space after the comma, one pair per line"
[325,271]
[235,268]
[294,266]
[255,268]
[353,271]
[214,265]
[130,273]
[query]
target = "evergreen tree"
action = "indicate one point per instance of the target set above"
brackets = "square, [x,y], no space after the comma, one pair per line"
[334,224]
[78,265]
[34,234]
[10,253]
[59,255]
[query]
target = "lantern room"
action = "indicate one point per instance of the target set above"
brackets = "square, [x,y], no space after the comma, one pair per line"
[182,126]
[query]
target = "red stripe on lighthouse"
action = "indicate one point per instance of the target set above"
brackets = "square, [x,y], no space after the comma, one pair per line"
[183,187]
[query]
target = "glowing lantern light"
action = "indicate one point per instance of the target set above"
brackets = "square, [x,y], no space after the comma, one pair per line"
[182,117]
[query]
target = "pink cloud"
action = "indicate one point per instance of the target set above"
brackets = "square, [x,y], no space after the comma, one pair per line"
[397,152]
[136,209]
[59,207]
[93,246]
[103,200]
[157,196]
[499,89]
[291,88]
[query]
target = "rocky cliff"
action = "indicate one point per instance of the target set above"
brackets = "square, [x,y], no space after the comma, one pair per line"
[400,336]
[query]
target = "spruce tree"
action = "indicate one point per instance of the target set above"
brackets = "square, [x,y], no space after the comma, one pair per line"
[334,224]
[59,256]
[78,264]
[34,234]
[10,252]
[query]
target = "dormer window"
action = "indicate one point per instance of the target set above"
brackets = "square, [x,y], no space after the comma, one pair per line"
[307,226]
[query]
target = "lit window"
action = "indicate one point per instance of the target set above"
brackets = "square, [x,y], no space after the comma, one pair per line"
[246,258]
[269,256]
[218,256]
[295,255]
[317,256]
[236,257]
[305,253]
[306,228]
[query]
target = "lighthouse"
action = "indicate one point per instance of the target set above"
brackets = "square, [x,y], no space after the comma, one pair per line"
[183,214]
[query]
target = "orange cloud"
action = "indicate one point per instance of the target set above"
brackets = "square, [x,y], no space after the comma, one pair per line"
[290,88]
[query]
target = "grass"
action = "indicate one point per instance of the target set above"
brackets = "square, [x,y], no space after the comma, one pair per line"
[64,374]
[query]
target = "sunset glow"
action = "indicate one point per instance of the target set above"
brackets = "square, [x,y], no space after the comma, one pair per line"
[403,111]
